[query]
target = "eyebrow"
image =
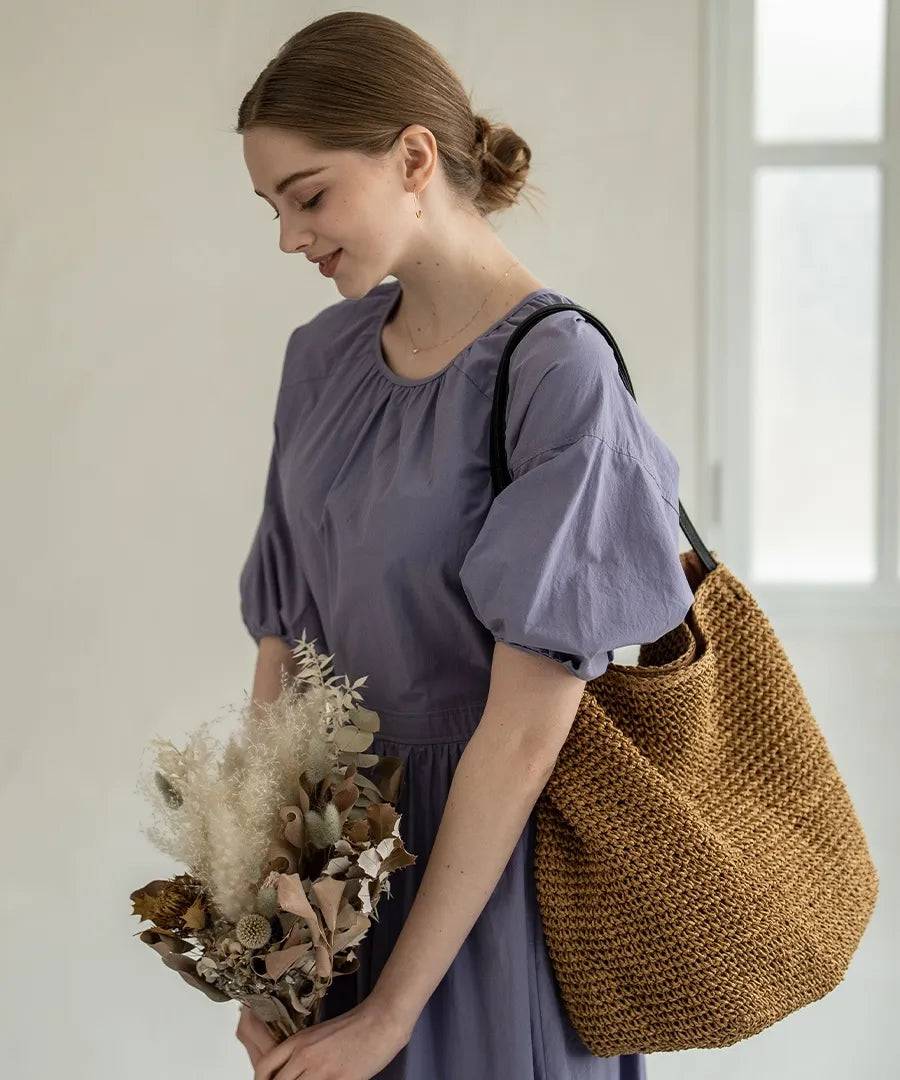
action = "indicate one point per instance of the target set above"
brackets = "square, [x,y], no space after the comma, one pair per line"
[302,175]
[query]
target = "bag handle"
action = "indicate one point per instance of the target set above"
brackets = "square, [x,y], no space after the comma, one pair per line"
[500,473]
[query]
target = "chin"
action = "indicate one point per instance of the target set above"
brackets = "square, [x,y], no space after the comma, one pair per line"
[355,291]
[351,294]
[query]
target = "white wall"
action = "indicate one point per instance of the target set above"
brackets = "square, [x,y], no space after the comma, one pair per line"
[144,309]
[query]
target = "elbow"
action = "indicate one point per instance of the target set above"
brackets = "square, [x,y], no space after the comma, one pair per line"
[521,752]
[538,758]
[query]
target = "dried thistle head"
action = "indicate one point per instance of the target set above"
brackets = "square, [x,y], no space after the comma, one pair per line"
[253,930]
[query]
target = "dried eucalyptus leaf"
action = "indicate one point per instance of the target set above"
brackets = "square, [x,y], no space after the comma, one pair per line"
[366,761]
[352,740]
[365,719]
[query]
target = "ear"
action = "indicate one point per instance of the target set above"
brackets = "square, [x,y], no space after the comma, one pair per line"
[418,155]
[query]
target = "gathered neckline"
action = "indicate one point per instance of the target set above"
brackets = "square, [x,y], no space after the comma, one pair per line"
[377,352]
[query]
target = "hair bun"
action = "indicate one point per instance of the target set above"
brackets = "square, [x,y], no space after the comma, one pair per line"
[482,132]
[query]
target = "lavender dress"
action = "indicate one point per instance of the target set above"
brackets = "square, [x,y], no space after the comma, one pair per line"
[378,536]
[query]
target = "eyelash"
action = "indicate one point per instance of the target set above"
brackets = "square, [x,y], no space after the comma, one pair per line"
[305,206]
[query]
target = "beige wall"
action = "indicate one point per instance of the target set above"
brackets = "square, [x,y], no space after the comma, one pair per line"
[144,309]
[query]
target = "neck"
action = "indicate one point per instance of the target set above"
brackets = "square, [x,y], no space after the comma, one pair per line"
[447,278]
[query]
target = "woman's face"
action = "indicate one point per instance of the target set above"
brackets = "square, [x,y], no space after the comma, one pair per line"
[352,201]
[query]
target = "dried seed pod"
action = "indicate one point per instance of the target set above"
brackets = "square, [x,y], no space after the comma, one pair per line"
[253,930]
[267,902]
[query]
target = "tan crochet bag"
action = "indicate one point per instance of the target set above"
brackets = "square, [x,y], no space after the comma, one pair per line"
[700,870]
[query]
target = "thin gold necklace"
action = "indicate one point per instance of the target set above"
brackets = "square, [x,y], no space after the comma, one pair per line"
[426,348]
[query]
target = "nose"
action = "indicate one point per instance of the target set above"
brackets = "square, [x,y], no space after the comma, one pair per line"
[290,241]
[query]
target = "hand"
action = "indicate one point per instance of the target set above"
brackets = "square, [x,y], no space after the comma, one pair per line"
[254,1034]
[353,1046]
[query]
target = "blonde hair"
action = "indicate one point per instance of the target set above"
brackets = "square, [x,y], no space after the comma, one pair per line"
[355,80]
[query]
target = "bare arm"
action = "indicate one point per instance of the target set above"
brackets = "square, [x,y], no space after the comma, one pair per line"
[530,708]
[273,656]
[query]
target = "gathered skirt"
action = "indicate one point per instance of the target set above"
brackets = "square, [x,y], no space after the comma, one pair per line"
[497,1013]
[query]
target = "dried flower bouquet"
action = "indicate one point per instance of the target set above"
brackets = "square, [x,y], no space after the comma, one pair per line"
[288,847]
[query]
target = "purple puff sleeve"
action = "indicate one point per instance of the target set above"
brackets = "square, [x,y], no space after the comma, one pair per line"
[578,555]
[275,593]
[269,572]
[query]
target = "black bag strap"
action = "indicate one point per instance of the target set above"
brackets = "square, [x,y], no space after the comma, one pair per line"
[500,473]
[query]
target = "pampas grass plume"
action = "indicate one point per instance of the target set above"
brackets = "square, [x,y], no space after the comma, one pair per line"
[216,810]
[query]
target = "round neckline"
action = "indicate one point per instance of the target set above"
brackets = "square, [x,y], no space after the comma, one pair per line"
[400,380]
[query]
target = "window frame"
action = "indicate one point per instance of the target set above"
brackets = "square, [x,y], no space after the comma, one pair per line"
[731,157]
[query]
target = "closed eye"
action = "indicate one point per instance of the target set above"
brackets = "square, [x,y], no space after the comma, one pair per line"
[305,206]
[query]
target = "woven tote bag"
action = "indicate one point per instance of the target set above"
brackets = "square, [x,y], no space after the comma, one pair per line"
[699,867]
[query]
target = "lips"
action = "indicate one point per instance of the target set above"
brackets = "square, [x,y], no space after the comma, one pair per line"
[328,267]
[322,258]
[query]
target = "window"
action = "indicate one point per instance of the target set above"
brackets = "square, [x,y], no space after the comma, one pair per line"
[803,287]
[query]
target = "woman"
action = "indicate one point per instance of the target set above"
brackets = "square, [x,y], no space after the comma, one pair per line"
[477,622]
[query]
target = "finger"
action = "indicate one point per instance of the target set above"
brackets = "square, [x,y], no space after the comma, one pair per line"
[272,1060]
[252,1032]
[254,1050]
[254,1053]
[264,1035]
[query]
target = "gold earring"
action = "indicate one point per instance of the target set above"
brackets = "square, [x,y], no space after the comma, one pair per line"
[418,208]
